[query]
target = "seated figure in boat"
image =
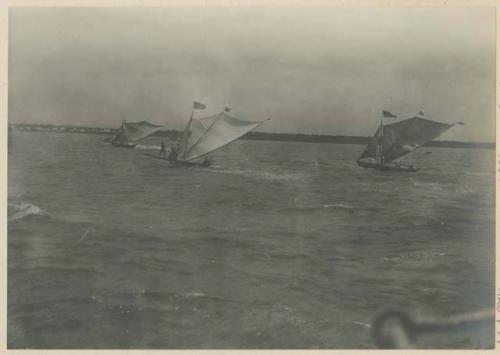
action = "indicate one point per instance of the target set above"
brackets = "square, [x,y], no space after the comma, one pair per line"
[207,161]
[172,157]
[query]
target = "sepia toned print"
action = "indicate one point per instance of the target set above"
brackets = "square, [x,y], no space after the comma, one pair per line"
[262,177]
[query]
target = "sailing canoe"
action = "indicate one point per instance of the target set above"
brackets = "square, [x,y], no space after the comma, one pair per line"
[130,133]
[204,136]
[392,141]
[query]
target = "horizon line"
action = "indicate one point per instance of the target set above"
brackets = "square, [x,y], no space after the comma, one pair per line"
[249,133]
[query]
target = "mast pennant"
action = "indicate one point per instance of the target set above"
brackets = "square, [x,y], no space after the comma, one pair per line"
[388,114]
[199,106]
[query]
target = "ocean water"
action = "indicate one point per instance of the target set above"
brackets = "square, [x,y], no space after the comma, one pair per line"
[278,245]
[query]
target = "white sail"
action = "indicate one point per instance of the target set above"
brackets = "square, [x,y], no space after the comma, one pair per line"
[205,135]
[135,131]
[397,139]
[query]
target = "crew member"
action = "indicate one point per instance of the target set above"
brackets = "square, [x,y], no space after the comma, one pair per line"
[163,150]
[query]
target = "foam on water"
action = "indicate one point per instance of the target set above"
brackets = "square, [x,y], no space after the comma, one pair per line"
[363,324]
[338,205]
[22,210]
[258,174]
[147,147]
[194,294]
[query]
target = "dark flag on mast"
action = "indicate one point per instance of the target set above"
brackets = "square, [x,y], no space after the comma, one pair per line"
[198,106]
[227,109]
[388,114]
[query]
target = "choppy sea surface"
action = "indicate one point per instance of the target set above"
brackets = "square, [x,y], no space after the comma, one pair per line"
[278,245]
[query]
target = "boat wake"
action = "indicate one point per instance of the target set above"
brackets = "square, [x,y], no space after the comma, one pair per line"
[263,175]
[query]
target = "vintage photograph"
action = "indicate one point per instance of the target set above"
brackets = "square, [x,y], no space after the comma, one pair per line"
[251,177]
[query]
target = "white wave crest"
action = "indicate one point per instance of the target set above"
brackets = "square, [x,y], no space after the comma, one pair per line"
[194,294]
[338,205]
[147,147]
[22,210]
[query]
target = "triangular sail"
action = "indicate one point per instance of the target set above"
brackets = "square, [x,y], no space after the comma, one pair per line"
[135,131]
[205,135]
[185,137]
[403,137]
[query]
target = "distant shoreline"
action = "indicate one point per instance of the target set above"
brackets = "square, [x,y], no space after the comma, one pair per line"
[257,136]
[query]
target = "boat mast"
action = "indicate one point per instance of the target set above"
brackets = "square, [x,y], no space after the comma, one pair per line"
[379,151]
[121,133]
[185,135]
[225,98]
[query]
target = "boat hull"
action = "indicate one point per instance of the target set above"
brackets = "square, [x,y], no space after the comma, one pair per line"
[388,166]
[124,145]
[180,163]
[189,163]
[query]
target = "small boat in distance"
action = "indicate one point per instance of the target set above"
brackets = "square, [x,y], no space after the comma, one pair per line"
[130,133]
[203,136]
[392,141]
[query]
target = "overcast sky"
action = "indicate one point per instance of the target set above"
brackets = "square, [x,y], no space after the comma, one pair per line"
[312,69]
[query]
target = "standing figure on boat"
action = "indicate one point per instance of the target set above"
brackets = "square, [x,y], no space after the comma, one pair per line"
[163,150]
